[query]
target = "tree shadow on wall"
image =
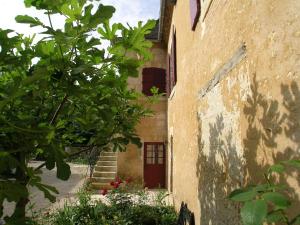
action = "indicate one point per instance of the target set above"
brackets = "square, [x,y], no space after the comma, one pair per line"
[218,170]
[272,136]
[221,169]
[264,125]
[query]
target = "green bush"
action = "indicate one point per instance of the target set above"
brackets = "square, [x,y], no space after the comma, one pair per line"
[122,209]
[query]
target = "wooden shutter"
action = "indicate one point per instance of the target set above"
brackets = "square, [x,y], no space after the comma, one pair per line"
[168,78]
[154,77]
[194,12]
[173,64]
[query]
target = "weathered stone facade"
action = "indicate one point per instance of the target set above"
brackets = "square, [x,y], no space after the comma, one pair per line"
[150,129]
[229,117]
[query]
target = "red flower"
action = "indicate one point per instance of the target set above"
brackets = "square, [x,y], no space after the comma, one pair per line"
[116,185]
[103,191]
[112,183]
[118,180]
[128,180]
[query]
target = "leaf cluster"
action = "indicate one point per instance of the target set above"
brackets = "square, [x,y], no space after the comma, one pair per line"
[266,203]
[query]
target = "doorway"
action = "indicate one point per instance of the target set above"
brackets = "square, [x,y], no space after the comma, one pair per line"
[154,164]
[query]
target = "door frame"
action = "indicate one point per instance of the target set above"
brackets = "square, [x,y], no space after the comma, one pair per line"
[164,160]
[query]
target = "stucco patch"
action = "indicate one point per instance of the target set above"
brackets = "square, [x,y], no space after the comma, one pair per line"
[244,82]
[216,108]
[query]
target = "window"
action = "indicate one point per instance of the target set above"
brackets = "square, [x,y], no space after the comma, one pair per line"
[154,77]
[154,154]
[172,66]
[195,10]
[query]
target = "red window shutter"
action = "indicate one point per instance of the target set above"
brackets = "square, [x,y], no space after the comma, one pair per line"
[195,12]
[168,77]
[174,59]
[173,64]
[154,77]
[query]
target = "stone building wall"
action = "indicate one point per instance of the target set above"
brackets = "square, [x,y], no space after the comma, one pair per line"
[150,129]
[236,106]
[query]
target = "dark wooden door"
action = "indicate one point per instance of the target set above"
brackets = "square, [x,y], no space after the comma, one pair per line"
[154,165]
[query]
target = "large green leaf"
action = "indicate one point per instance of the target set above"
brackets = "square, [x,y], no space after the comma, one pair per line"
[12,191]
[293,163]
[254,212]
[35,181]
[275,216]
[48,191]
[63,170]
[242,195]
[278,168]
[50,161]
[102,14]
[28,20]
[45,48]
[72,9]
[52,5]
[280,201]
[136,141]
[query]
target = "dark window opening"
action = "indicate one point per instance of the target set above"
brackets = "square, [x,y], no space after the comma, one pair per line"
[154,77]
[172,66]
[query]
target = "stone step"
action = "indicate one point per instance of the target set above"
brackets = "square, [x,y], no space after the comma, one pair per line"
[105,180]
[108,158]
[100,186]
[110,174]
[108,154]
[106,168]
[106,163]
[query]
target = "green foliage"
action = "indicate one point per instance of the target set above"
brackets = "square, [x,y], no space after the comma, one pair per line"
[266,203]
[89,212]
[29,20]
[65,89]
[254,212]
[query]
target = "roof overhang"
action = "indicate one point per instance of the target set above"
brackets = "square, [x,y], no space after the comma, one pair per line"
[161,19]
[165,20]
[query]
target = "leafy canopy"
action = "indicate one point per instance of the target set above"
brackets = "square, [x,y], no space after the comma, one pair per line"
[65,89]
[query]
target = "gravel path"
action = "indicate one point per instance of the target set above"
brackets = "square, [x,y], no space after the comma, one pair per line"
[67,189]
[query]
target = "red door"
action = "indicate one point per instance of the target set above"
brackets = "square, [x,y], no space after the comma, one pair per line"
[154,165]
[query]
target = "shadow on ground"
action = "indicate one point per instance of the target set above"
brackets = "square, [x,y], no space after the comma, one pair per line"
[66,189]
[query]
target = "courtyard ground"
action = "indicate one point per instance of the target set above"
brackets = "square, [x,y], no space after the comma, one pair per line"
[67,189]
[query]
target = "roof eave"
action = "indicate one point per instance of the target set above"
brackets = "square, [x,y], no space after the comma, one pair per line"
[161,19]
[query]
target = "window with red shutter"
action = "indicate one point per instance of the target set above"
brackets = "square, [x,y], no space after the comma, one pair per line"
[173,61]
[154,77]
[195,9]
[168,79]
[172,66]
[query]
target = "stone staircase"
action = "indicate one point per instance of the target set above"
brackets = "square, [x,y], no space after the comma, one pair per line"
[105,171]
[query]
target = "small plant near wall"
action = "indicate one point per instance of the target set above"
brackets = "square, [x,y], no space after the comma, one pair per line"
[267,203]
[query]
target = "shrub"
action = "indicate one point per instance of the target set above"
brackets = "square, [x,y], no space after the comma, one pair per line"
[124,208]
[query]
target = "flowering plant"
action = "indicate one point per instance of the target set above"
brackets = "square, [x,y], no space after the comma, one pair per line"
[117,183]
